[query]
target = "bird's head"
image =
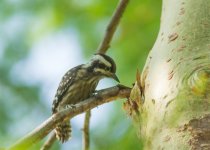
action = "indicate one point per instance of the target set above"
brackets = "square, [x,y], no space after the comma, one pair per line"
[102,65]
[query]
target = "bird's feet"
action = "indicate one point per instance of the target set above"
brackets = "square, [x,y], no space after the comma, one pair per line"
[72,106]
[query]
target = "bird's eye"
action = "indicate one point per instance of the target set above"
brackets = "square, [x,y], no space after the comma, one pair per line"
[107,69]
[100,65]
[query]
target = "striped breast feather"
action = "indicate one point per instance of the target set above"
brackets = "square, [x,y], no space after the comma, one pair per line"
[66,82]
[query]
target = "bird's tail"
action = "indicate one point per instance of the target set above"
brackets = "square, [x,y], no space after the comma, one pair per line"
[63,131]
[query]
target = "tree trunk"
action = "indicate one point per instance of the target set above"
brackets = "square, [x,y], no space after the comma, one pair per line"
[176,80]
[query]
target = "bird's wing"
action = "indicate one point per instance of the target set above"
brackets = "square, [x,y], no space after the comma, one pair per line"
[63,87]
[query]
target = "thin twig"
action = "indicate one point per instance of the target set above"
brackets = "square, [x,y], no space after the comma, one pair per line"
[103,96]
[86,135]
[103,47]
[111,28]
[48,144]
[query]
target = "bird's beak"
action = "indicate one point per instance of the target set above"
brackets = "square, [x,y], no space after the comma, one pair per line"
[114,76]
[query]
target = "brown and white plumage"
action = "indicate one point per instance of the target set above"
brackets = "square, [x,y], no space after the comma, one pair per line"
[78,84]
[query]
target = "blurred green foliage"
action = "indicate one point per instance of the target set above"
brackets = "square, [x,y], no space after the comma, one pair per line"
[36,18]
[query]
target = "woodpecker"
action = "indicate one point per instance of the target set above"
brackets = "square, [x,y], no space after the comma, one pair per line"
[78,84]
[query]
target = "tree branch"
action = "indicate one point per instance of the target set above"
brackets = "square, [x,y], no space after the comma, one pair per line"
[103,96]
[48,144]
[86,135]
[111,28]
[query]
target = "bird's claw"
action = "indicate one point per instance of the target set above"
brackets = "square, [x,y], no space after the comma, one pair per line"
[72,106]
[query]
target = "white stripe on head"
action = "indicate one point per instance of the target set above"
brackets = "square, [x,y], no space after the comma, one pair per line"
[101,59]
[98,70]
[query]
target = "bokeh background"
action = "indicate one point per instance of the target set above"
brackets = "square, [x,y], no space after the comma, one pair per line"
[41,40]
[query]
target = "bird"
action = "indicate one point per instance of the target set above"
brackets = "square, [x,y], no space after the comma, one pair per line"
[78,84]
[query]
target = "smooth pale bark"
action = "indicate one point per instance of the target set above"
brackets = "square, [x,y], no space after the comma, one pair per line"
[176,80]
